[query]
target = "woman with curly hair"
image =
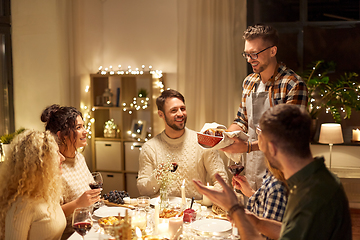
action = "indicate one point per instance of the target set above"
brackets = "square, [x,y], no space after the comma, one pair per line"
[68,126]
[30,192]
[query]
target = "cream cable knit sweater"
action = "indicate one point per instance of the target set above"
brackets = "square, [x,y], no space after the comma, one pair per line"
[34,220]
[194,163]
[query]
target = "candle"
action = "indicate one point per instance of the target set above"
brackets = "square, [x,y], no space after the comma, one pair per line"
[138,220]
[206,200]
[163,227]
[183,198]
[175,225]
[356,135]
[138,233]
[156,216]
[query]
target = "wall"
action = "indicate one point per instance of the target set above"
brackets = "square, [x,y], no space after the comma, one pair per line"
[39,49]
[57,44]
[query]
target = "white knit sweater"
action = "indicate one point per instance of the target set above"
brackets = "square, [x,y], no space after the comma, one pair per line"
[34,220]
[194,163]
[76,178]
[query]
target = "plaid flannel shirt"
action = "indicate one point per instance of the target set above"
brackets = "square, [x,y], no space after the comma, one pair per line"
[285,86]
[269,201]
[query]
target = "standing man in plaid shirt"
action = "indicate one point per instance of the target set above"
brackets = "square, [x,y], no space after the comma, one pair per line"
[270,84]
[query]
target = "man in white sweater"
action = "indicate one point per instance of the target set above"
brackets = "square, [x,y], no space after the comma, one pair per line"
[177,144]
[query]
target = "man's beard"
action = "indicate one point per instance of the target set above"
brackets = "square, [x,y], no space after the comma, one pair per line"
[272,161]
[173,125]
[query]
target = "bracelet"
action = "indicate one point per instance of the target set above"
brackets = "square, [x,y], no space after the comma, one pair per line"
[249,149]
[234,209]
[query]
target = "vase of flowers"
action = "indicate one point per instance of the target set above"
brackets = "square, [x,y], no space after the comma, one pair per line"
[165,173]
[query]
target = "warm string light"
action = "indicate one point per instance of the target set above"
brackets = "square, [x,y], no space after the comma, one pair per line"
[138,103]
[129,70]
[88,120]
[328,110]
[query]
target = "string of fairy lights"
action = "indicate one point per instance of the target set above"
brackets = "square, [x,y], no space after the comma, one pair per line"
[328,109]
[138,102]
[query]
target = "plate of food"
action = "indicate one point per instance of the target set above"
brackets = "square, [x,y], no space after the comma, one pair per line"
[211,226]
[111,211]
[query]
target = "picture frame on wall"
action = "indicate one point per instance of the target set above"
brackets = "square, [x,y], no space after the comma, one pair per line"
[138,128]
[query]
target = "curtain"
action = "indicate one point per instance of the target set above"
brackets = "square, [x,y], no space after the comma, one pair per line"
[210,71]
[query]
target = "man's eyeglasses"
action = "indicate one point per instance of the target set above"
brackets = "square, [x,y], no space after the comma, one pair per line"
[258,130]
[254,56]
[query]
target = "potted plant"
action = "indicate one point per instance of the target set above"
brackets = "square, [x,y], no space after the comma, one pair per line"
[337,96]
[6,139]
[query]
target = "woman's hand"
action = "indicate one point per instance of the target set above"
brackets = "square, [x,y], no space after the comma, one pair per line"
[240,182]
[88,198]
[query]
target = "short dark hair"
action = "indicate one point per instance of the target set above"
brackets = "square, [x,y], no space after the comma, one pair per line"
[266,32]
[170,93]
[288,127]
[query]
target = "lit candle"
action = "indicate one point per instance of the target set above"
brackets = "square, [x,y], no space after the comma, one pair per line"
[175,225]
[138,233]
[183,198]
[156,215]
[356,135]
[163,227]
[206,200]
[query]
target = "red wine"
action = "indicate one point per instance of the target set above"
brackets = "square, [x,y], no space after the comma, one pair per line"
[235,169]
[175,166]
[82,228]
[95,185]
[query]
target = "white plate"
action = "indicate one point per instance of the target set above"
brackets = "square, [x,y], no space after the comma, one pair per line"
[211,225]
[111,211]
[172,200]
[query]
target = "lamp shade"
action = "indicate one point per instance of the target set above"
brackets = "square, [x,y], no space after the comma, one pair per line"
[331,133]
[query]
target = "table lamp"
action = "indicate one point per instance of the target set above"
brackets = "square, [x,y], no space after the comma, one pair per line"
[330,133]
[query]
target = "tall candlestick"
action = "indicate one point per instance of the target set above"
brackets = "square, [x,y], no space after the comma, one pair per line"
[206,200]
[156,216]
[183,198]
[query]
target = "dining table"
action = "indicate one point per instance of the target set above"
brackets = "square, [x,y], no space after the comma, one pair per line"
[207,225]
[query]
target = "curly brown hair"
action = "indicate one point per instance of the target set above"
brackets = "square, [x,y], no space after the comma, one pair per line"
[30,171]
[61,119]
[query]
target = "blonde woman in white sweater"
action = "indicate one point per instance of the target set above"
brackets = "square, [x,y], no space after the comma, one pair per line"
[31,189]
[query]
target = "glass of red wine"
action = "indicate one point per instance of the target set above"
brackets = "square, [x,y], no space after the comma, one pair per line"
[97,183]
[82,221]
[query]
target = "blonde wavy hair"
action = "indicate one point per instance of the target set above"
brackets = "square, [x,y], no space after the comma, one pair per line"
[31,171]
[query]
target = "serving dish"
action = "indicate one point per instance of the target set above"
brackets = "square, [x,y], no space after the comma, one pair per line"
[208,140]
[111,211]
[211,226]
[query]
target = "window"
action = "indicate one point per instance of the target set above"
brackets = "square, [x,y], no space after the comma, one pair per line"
[6,80]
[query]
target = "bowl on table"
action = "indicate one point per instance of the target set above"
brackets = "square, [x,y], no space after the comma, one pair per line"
[107,224]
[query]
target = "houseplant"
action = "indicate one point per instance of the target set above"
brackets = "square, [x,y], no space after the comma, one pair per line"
[337,96]
[5,140]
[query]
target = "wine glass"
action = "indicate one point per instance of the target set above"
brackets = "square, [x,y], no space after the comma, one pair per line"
[82,221]
[97,183]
